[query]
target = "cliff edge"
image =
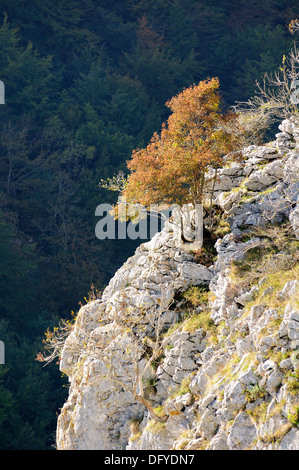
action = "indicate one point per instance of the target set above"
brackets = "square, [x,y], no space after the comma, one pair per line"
[199,349]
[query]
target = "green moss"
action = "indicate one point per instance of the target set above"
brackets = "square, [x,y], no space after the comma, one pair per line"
[202,320]
[160,411]
[183,389]
[135,437]
[155,427]
[222,228]
[293,417]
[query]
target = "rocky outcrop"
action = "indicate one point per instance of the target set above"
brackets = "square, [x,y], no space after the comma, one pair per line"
[98,410]
[226,373]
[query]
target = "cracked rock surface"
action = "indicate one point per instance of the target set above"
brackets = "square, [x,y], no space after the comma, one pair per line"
[229,382]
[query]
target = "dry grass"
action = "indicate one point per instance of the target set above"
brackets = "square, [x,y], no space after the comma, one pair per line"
[276,253]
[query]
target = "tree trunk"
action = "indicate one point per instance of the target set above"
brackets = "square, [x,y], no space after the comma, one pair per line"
[151,410]
[211,199]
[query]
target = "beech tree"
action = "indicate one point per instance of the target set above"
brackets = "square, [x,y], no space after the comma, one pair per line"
[173,168]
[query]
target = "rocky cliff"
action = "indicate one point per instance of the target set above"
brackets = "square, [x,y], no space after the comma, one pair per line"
[209,338]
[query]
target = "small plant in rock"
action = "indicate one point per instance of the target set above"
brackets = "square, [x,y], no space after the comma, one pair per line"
[204,256]
[254,393]
[184,439]
[155,427]
[272,101]
[183,389]
[201,320]
[259,412]
[277,436]
[274,251]
[222,228]
[293,382]
[160,411]
[92,295]
[293,417]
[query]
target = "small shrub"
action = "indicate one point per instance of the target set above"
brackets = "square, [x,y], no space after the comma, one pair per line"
[222,228]
[293,382]
[204,256]
[253,393]
[294,417]
[259,412]
[183,389]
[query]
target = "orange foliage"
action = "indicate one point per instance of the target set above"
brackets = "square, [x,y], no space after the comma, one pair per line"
[294,26]
[172,168]
[146,36]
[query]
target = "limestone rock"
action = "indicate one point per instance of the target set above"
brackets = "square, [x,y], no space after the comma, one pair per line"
[294,219]
[224,383]
[243,433]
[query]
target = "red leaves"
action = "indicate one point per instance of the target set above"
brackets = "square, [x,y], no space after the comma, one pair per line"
[172,168]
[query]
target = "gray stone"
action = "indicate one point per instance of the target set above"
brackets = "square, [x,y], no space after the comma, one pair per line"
[219,442]
[294,219]
[287,126]
[255,312]
[227,200]
[195,273]
[208,424]
[245,345]
[220,365]
[289,290]
[275,169]
[247,296]
[234,397]
[208,400]
[199,383]
[286,364]
[290,441]
[243,433]
[274,381]
[259,180]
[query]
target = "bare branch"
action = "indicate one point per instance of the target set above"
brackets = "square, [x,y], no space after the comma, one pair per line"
[123,357]
[273,100]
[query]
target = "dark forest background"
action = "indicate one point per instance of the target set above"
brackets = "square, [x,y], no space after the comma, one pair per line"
[86,83]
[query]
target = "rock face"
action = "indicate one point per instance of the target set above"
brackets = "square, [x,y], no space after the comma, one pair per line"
[225,375]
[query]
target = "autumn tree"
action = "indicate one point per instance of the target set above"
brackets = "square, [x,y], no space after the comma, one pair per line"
[173,168]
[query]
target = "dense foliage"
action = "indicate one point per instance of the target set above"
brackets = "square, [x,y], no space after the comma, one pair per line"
[86,83]
[174,165]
